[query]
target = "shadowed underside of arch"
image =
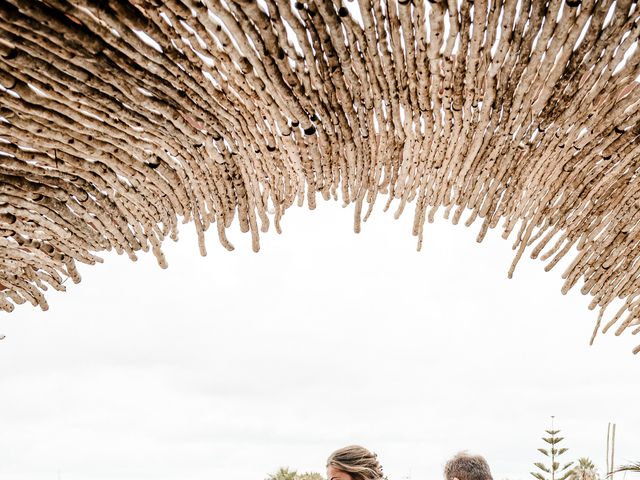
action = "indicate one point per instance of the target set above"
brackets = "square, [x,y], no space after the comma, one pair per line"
[117,118]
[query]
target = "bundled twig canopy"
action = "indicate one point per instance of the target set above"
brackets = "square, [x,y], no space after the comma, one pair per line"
[117,118]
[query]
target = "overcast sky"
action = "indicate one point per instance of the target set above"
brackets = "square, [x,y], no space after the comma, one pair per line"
[232,365]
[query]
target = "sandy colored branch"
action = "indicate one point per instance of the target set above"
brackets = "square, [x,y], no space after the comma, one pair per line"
[120,119]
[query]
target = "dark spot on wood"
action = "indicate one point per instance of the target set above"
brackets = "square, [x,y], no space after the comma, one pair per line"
[299,5]
[573,3]
[7,218]
[310,131]
[343,12]
[155,163]
[270,148]
[12,54]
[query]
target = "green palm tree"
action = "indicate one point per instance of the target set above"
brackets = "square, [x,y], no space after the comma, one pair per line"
[309,476]
[632,467]
[283,473]
[584,470]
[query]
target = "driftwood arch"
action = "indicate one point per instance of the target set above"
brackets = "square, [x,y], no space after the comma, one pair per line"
[118,117]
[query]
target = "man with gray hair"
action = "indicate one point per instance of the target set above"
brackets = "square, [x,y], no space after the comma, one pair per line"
[467,467]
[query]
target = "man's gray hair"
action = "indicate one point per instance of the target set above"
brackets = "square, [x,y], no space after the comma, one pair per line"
[467,467]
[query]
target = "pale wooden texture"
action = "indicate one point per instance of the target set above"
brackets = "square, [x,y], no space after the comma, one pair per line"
[522,113]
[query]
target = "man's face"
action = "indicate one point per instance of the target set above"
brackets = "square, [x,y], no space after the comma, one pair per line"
[334,474]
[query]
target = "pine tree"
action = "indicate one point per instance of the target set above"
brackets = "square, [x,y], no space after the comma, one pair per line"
[553,471]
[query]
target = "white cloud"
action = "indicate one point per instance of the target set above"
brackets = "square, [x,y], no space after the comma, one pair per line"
[232,365]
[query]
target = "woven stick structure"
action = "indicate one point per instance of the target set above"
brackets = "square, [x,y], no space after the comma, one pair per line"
[119,118]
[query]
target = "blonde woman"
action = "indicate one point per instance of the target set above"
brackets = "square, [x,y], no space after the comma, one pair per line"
[354,463]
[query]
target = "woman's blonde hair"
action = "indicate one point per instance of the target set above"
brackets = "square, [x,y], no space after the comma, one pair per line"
[358,462]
